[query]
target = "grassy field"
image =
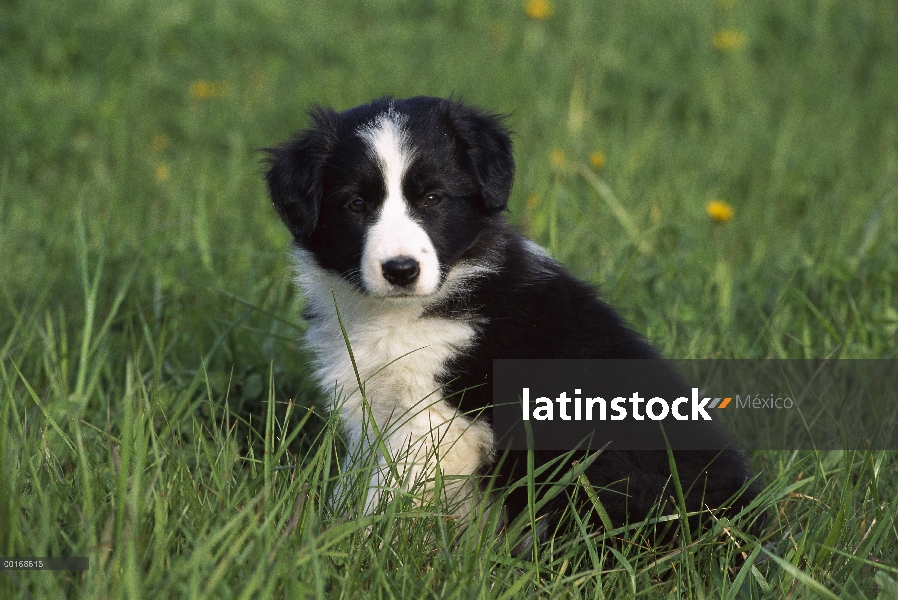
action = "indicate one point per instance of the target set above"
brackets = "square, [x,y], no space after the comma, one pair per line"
[155,409]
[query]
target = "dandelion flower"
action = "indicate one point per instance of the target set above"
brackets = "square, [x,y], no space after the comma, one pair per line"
[538,10]
[160,142]
[720,211]
[597,160]
[160,172]
[729,39]
[205,90]
[558,159]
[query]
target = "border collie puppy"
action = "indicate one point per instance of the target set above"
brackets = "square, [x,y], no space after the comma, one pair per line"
[395,208]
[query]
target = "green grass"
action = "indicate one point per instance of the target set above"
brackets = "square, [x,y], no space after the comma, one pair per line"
[156,412]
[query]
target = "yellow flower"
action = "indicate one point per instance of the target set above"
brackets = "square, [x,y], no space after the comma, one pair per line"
[160,142]
[204,90]
[539,10]
[720,211]
[532,200]
[597,160]
[160,172]
[729,39]
[558,159]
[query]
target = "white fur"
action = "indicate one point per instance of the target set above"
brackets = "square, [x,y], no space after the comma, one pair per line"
[399,354]
[395,234]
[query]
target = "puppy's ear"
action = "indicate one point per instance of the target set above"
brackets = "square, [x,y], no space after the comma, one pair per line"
[484,147]
[295,172]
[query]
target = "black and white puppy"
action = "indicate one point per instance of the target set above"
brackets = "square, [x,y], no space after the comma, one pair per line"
[395,208]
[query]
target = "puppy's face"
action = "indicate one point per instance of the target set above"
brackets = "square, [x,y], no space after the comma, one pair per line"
[389,195]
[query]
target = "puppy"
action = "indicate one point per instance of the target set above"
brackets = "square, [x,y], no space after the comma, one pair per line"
[395,208]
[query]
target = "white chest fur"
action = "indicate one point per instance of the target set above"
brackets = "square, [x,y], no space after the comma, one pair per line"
[400,356]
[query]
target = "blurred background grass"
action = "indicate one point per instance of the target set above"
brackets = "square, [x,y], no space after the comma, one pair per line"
[136,234]
[142,121]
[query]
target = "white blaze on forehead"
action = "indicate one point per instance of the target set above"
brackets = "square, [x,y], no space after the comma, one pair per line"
[387,143]
[395,234]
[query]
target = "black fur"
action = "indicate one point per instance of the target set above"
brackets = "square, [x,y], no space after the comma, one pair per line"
[536,309]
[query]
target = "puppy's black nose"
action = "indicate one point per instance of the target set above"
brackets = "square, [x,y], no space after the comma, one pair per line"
[401,270]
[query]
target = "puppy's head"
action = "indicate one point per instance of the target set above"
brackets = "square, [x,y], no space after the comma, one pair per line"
[390,194]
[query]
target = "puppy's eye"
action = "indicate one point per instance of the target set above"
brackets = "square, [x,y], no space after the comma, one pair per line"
[356,205]
[431,200]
